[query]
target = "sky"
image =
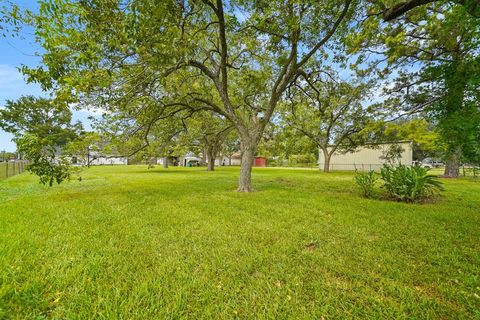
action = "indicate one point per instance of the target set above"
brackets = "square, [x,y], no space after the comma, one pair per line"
[15,52]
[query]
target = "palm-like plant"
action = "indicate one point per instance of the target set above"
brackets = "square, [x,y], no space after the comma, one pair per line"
[409,184]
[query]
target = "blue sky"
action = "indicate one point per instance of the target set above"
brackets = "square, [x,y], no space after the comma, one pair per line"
[13,53]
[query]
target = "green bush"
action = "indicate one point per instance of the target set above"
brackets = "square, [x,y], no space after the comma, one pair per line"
[301,160]
[365,181]
[409,184]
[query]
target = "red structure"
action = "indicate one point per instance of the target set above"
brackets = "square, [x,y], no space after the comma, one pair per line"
[260,162]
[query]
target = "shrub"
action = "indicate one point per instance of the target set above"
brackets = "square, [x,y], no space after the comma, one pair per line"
[365,181]
[301,160]
[409,184]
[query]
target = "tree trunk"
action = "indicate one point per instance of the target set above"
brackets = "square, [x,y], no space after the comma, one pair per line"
[326,164]
[247,149]
[452,165]
[211,159]
[326,159]
[451,128]
[165,162]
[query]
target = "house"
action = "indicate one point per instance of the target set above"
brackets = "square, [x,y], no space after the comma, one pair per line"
[193,160]
[368,157]
[108,160]
[95,158]
[235,159]
[188,160]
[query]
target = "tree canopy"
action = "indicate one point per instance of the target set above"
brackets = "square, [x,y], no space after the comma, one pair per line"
[234,58]
[157,68]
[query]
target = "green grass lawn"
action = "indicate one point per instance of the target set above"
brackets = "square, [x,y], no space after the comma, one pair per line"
[131,243]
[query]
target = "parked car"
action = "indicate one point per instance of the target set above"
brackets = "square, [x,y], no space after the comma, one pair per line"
[431,163]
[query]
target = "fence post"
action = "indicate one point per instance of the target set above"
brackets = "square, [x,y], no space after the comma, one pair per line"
[6,169]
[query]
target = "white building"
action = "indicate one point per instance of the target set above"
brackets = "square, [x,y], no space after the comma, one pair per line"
[109,160]
[192,160]
[368,157]
[98,159]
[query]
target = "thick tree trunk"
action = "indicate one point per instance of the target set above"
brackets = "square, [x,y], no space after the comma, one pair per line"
[248,149]
[165,163]
[326,159]
[211,160]
[326,164]
[450,127]
[452,165]
[211,165]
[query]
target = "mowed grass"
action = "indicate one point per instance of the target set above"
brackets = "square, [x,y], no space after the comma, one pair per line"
[132,243]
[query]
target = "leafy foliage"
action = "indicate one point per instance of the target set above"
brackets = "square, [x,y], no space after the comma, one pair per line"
[41,128]
[44,163]
[409,183]
[366,181]
[422,133]
[41,117]
[393,154]
[331,113]
[434,48]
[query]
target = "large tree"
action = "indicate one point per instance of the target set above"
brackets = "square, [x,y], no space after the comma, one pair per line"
[333,114]
[235,58]
[437,45]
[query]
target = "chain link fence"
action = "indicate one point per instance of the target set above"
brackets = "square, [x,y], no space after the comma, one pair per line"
[12,168]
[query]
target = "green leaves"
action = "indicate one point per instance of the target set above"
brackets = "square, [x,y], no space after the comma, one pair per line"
[409,183]
[41,128]
[44,162]
[41,117]
[401,182]
[366,182]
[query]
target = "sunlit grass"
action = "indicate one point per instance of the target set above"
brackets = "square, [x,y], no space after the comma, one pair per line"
[131,243]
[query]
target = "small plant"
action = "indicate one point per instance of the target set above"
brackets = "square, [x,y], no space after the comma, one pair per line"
[365,181]
[409,184]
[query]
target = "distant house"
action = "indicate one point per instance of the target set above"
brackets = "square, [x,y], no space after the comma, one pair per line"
[188,160]
[108,160]
[95,158]
[193,160]
[235,159]
[368,157]
[227,161]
